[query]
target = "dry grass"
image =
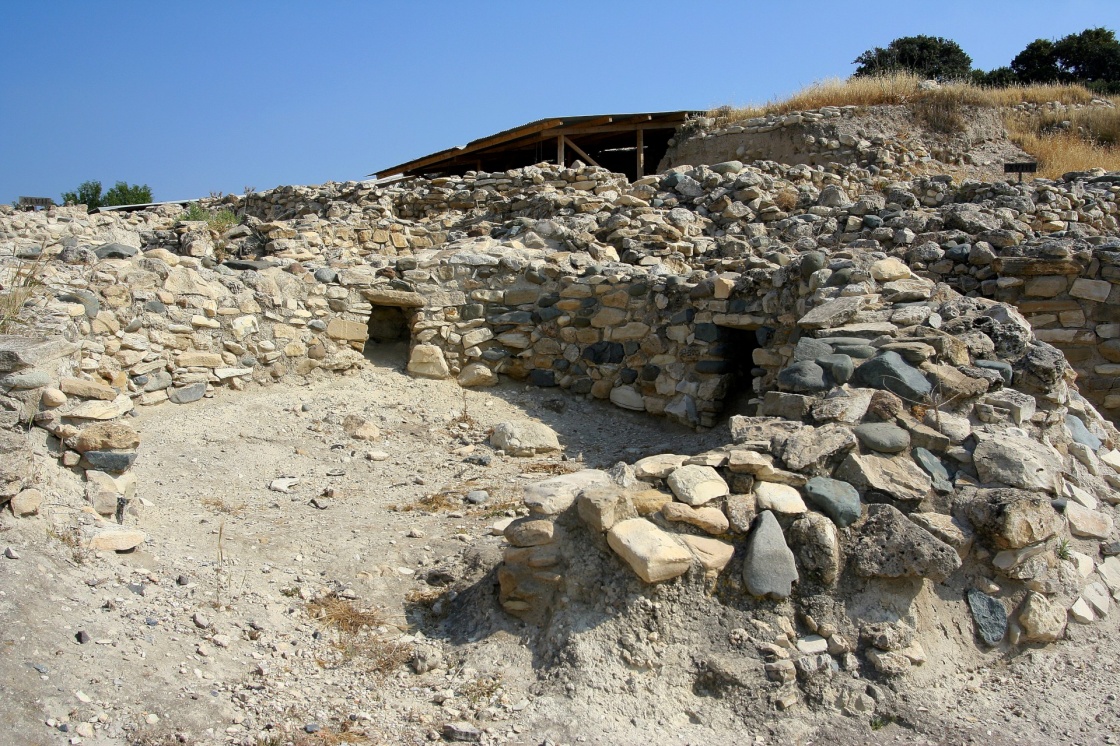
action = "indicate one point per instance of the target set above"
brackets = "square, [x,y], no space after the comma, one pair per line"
[221,505]
[902,88]
[1062,152]
[341,614]
[19,284]
[479,691]
[71,538]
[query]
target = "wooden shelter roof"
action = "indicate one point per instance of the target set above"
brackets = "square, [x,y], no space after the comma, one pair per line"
[526,136]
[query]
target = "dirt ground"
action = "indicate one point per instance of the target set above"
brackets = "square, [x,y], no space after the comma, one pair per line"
[208,633]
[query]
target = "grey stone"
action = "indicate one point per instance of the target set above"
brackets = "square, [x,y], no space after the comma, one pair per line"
[836,499]
[891,545]
[936,470]
[87,299]
[114,251]
[17,353]
[769,567]
[1018,462]
[189,393]
[524,438]
[803,376]
[890,372]
[840,366]
[24,380]
[1004,369]
[989,615]
[808,348]
[1080,433]
[883,437]
[111,461]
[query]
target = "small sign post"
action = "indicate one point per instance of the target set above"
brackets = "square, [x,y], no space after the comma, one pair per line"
[1020,168]
[30,203]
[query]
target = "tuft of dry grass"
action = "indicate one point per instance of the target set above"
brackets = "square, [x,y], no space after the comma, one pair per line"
[904,88]
[221,505]
[19,284]
[71,538]
[342,614]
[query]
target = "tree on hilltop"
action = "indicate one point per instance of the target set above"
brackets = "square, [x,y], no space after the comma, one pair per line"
[121,193]
[925,56]
[1091,58]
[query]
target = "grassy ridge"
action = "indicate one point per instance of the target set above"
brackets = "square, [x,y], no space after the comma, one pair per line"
[1061,140]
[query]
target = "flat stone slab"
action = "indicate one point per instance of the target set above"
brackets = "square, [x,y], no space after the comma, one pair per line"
[554,496]
[17,353]
[654,555]
[695,485]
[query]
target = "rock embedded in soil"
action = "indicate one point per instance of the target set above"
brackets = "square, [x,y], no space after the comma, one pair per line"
[769,567]
[890,545]
[1018,462]
[990,616]
[653,554]
[525,438]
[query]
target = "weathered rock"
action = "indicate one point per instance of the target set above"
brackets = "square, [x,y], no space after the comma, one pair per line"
[812,446]
[427,361]
[18,352]
[1088,523]
[117,540]
[525,438]
[1041,620]
[654,555]
[817,546]
[803,376]
[741,511]
[836,499]
[891,545]
[658,467]
[712,554]
[696,485]
[110,461]
[937,472]
[186,394]
[882,437]
[897,476]
[990,616]
[1018,462]
[26,502]
[710,520]
[779,498]
[946,528]
[602,507]
[648,502]
[554,496]
[15,463]
[769,567]
[475,375]
[360,428]
[87,389]
[107,436]
[530,531]
[1010,519]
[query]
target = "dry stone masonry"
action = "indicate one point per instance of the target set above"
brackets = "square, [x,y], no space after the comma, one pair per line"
[890,350]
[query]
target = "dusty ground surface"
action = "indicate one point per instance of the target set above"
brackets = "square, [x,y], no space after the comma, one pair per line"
[207,635]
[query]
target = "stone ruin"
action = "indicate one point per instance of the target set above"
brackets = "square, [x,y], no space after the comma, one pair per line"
[892,359]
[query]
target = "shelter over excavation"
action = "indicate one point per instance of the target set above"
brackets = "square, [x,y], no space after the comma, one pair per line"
[631,144]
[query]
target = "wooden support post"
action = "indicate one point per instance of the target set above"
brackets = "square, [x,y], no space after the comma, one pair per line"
[641,155]
[579,151]
[560,151]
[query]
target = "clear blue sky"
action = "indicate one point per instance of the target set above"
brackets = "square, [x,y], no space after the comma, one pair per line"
[196,96]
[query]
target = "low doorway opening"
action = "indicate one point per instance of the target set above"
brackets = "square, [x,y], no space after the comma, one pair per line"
[390,329]
[737,347]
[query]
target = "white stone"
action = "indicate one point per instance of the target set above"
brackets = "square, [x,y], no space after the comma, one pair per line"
[659,466]
[554,496]
[654,555]
[695,485]
[427,361]
[525,438]
[780,498]
[628,397]
[1081,613]
[1097,290]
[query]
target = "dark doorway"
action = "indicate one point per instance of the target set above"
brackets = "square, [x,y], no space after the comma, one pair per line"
[737,347]
[389,334]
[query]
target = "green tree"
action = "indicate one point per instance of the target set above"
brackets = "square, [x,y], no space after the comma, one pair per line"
[124,194]
[926,56]
[1091,57]
[121,193]
[1001,77]
[88,194]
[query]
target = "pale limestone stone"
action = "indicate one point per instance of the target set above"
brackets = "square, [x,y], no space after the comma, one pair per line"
[654,555]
